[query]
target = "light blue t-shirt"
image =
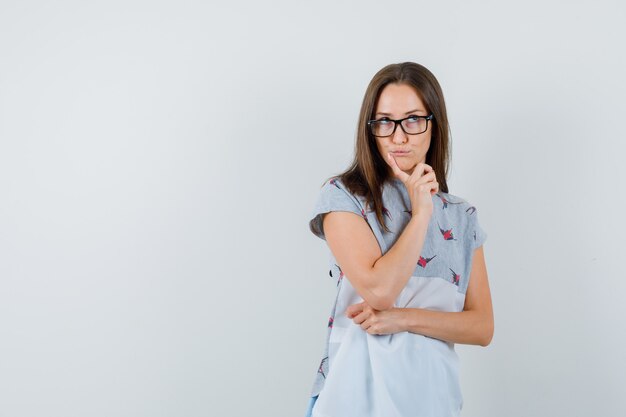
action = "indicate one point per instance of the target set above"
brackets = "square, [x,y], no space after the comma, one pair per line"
[404,373]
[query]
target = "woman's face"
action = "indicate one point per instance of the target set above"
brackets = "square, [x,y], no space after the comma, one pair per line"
[398,101]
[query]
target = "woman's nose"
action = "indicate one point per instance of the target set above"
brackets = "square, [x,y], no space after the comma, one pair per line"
[399,136]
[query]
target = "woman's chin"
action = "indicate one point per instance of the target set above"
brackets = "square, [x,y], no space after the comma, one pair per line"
[408,167]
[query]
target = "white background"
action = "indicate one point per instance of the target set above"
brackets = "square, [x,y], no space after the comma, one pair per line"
[159,161]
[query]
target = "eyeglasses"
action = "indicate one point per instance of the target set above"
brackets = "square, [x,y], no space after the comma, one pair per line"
[412,125]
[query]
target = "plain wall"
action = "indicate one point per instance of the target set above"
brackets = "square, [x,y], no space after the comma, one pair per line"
[159,161]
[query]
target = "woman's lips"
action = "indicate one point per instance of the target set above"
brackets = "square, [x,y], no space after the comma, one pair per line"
[400,153]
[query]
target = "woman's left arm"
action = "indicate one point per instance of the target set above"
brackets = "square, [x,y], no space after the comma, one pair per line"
[474,325]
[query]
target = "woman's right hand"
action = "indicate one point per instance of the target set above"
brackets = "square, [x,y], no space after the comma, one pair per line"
[421,185]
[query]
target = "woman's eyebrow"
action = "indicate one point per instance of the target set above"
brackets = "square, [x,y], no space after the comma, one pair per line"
[410,111]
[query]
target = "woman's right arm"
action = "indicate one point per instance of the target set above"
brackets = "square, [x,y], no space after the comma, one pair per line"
[377,278]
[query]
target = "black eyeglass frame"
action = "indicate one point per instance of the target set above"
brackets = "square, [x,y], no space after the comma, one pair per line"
[399,122]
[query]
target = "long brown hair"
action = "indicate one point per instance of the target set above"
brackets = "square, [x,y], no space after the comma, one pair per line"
[368,171]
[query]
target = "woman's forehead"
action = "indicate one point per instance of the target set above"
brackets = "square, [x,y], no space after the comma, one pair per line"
[399,99]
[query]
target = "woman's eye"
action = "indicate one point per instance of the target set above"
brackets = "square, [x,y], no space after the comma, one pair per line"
[413,118]
[384,121]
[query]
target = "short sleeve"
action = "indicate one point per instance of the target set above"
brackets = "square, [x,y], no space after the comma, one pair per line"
[333,196]
[477,233]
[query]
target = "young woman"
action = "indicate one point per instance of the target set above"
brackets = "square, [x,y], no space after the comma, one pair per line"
[408,261]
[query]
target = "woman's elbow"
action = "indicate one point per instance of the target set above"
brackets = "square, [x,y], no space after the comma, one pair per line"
[488,336]
[373,293]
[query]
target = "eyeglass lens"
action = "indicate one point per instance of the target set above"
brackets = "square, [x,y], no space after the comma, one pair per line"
[411,126]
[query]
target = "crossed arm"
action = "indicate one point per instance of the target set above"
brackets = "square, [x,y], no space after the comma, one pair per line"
[474,325]
[359,255]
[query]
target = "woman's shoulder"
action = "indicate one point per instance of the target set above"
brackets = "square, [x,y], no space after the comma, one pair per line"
[334,186]
[453,204]
[458,213]
[451,198]
[335,183]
